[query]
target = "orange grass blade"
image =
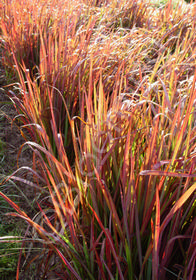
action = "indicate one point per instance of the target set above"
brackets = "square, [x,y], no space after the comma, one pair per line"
[110,242]
[176,207]
[164,173]
[156,238]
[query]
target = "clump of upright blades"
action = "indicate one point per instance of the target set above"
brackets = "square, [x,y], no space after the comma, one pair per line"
[106,96]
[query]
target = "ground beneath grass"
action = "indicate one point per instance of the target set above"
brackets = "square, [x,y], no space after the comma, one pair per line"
[10,143]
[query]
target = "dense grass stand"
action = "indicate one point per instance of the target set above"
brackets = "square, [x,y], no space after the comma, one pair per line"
[105,100]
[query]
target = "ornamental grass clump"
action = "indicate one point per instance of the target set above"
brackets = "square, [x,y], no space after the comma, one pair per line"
[107,106]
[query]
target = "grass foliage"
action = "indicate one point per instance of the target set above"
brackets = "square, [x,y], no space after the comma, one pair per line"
[105,93]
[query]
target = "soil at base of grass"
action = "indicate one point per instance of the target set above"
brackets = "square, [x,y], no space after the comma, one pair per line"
[10,143]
